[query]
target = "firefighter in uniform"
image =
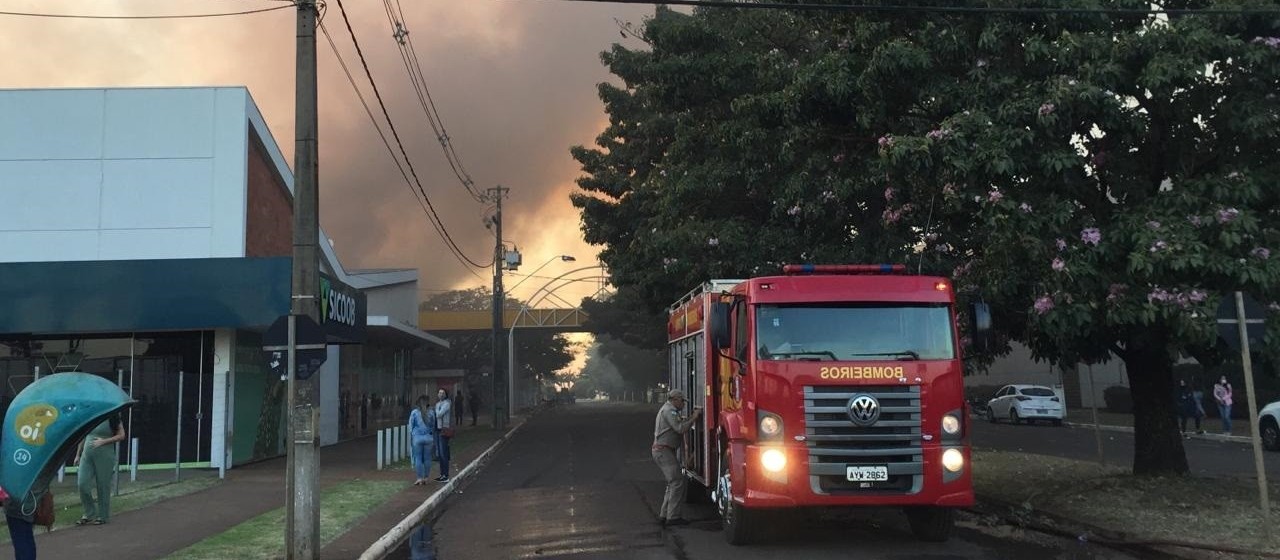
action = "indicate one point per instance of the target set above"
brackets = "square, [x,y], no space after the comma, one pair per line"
[668,436]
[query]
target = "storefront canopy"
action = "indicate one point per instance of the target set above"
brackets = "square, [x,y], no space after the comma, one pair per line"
[157,295]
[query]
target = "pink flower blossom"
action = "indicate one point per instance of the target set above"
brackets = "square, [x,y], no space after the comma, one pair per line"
[1261,253]
[1227,214]
[1159,246]
[1198,296]
[1025,207]
[1058,265]
[1159,295]
[1046,109]
[948,189]
[1195,220]
[1061,244]
[886,141]
[888,193]
[713,241]
[1153,224]
[828,196]
[1273,307]
[891,216]
[794,210]
[838,158]
[1234,175]
[1091,236]
[938,134]
[1043,304]
[1273,42]
[994,195]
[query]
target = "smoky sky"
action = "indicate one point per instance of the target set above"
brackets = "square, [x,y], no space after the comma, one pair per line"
[514,82]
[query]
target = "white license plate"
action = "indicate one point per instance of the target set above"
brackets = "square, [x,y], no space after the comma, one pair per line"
[1042,411]
[868,474]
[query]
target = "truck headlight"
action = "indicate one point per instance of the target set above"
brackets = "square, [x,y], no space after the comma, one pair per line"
[953,460]
[770,426]
[773,460]
[951,425]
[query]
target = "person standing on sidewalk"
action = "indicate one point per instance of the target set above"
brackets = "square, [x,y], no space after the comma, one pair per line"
[97,461]
[1186,403]
[1222,394]
[422,430]
[668,435]
[458,401]
[444,432]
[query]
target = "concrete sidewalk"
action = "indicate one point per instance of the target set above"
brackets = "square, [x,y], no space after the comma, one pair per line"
[248,491]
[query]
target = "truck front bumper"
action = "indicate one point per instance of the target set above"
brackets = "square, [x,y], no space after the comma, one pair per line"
[795,486]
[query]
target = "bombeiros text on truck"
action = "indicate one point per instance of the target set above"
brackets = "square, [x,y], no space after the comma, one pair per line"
[827,386]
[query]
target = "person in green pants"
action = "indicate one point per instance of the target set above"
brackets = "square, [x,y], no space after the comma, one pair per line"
[97,461]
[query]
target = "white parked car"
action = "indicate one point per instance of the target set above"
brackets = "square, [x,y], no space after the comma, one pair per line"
[1026,403]
[1269,420]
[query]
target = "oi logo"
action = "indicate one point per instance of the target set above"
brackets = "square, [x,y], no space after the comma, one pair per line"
[34,421]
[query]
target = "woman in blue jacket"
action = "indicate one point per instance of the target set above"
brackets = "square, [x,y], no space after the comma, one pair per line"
[422,430]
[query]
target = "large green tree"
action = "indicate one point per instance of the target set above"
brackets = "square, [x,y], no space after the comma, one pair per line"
[1100,179]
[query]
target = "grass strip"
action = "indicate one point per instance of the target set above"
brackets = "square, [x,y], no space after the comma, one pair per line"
[1184,508]
[342,506]
[136,496]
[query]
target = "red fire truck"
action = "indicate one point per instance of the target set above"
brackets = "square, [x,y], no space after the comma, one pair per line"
[830,385]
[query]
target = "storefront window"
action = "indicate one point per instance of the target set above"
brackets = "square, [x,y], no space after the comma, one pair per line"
[157,369]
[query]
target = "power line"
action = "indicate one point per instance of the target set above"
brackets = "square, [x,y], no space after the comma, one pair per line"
[866,8]
[431,211]
[417,78]
[166,16]
[373,120]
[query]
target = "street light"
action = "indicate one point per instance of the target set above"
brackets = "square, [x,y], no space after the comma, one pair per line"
[511,375]
[511,333]
[565,258]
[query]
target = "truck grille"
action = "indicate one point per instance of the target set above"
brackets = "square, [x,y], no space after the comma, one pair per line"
[835,443]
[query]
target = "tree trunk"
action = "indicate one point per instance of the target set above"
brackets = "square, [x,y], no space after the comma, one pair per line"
[1157,439]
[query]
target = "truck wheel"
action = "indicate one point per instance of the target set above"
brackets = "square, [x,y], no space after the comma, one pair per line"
[736,521]
[1270,434]
[932,524]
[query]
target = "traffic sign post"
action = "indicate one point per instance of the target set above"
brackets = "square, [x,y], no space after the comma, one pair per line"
[308,339]
[1243,315]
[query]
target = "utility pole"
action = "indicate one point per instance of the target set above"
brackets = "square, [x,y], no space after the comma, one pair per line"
[499,299]
[302,518]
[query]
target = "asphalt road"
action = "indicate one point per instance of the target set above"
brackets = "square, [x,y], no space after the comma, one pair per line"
[1205,457]
[578,483]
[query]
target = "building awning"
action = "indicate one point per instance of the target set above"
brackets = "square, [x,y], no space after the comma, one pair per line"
[383,329]
[86,297]
[142,295]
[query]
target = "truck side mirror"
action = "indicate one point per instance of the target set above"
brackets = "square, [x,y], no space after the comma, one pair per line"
[980,325]
[719,324]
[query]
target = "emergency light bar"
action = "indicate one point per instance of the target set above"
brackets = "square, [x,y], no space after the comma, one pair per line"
[843,269]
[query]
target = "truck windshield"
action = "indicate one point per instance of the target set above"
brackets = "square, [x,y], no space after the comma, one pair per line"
[854,332]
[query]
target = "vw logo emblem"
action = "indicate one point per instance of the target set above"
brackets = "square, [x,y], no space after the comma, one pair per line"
[864,410]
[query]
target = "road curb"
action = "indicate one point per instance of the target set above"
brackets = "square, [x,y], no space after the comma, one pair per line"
[392,539]
[1129,430]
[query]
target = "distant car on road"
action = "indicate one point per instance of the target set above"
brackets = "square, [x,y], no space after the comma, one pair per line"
[1269,420]
[1026,403]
